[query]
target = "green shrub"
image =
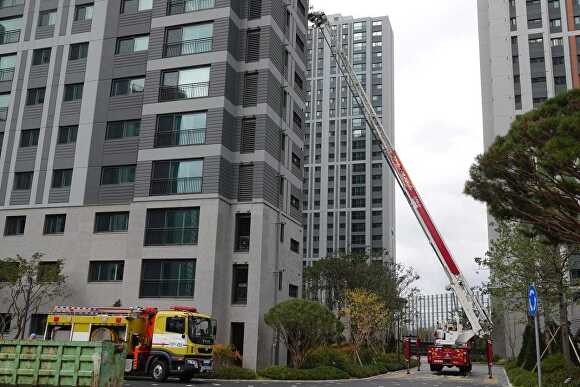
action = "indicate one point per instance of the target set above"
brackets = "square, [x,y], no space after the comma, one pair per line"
[319,373]
[230,373]
[327,356]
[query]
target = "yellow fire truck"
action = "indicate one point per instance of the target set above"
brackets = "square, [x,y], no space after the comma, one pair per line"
[159,343]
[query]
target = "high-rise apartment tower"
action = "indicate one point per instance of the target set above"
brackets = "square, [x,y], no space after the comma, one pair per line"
[150,144]
[349,204]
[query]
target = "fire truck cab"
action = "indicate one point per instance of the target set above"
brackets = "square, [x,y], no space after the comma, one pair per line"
[159,343]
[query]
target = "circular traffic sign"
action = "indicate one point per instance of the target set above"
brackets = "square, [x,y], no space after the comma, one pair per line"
[532,301]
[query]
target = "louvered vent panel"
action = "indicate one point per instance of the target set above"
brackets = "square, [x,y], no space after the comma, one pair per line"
[246,183]
[251,89]
[248,136]
[253,46]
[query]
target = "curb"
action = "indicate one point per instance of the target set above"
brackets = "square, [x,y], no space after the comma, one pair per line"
[293,381]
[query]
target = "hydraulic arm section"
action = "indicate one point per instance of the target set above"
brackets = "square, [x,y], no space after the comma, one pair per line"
[480,322]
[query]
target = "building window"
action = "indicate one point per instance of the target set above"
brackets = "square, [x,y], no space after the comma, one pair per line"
[84,12]
[294,245]
[14,225]
[23,180]
[73,92]
[35,96]
[38,324]
[167,278]
[122,129]
[47,18]
[175,7]
[123,174]
[185,84]
[111,222]
[48,271]
[292,291]
[253,45]
[240,284]
[132,44]
[127,86]
[294,202]
[54,224]
[172,226]
[296,160]
[78,51]
[181,129]
[61,178]
[188,40]
[7,65]
[67,134]
[176,177]
[133,6]
[106,271]
[29,138]
[243,227]
[298,82]
[41,56]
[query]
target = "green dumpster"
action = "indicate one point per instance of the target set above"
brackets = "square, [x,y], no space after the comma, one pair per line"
[57,363]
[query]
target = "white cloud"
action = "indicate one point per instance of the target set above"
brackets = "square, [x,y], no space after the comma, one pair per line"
[438,124]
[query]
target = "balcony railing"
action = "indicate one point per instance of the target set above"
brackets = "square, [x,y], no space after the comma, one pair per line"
[186,91]
[175,186]
[187,47]
[175,7]
[6,74]
[180,137]
[7,37]
[10,3]
[171,236]
[3,113]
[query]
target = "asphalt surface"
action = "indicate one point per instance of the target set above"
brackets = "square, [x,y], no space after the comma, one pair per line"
[478,378]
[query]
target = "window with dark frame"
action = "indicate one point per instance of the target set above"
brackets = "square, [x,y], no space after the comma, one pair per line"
[84,12]
[41,56]
[78,51]
[111,222]
[15,225]
[175,129]
[47,18]
[131,44]
[294,202]
[240,284]
[73,92]
[29,138]
[243,228]
[122,129]
[173,278]
[106,271]
[23,180]
[67,134]
[61,178]
[48,271]
[292,291]
[127,86]
[172,226]
[294,245]
[54,224]
[122,174]
[35,96]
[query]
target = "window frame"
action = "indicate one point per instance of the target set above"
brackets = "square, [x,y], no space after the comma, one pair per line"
[161,279]
[81,49]
[132,40]
[16,186]
[29,138]
[47,16]
[61,178]
[35,96]
[41,56]
[130,87]
[48,229]
[83,8]
[73,92]
[67,132]
[119,175]
[110,223]
[20,225]
[95,267]
[240,272]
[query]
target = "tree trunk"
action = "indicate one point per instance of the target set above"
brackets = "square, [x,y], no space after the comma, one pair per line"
[565,333]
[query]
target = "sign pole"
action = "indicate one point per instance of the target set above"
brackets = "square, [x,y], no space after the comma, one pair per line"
[533,312]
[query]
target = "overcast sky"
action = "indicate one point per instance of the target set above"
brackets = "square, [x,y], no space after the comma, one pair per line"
[438,124]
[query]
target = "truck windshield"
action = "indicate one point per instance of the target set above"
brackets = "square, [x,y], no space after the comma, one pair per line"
[201,330]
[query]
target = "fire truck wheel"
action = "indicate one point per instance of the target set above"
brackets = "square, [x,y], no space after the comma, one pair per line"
[159,370]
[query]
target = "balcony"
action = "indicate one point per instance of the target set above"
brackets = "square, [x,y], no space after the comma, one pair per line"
[170,236]
[182,185]
[175,7]
[180,137]
[187,47]
[3,113]
[10,3]
[185,91]
[6,74]
[8,37]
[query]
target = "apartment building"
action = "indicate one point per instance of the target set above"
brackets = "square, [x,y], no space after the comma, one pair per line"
[348,189]
[150,145]
[529,52]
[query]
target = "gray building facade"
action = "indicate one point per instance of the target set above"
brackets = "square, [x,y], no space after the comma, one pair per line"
[529,51]
[349,191]
[149,144]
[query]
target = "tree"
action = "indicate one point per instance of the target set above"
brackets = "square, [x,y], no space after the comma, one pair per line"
[331,278]
[517,258]
[368,317]
[27,285]
[532,175]
[303,325]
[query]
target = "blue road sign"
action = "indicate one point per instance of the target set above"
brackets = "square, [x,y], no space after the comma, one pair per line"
[532,301]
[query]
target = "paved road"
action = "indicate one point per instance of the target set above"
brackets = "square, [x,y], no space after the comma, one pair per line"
[478,378]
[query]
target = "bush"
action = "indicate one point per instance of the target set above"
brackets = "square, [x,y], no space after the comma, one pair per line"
[230,373]
[225,356]
[319,373]
[327,356]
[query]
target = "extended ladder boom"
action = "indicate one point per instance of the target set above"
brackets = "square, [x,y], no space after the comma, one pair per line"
[481,324]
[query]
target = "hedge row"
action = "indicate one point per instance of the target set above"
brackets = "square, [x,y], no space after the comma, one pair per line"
[555,372]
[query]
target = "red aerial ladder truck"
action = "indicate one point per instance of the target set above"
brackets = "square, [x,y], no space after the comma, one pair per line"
[453,343]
